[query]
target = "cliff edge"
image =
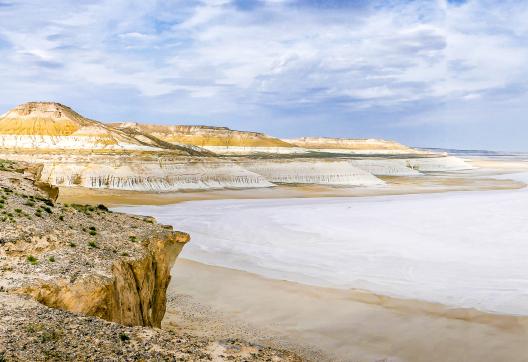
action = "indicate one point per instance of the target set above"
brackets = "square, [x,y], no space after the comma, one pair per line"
[80,282]
[81,258]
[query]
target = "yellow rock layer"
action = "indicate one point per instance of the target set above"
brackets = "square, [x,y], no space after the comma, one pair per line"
[42,118]
[207,136]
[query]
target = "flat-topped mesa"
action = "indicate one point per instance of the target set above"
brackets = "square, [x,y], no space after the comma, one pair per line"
[53,126]
[351,145]
[217,139]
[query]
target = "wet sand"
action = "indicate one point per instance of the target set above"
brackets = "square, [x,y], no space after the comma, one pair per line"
[326,324]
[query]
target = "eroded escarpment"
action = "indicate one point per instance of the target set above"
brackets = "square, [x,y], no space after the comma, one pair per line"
[79,152]
[351,145]
[81,258]
[311,171]
[133,293]
[151,173]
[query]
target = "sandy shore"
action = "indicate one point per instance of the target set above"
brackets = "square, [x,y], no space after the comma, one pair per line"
[326,324]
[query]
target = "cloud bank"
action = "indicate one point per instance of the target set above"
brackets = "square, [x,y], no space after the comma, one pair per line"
[439,73]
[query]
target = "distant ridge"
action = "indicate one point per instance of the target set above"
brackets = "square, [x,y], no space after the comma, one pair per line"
[353,145]
[206,136]
[149,139]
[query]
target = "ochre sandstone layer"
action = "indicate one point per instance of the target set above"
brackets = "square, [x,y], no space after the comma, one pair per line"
[204,136]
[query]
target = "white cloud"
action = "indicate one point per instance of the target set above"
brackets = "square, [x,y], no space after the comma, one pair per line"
[274,55]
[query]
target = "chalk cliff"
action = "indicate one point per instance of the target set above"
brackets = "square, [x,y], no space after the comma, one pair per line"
[79,152]
[349,145]
[154,173]
[410,166]
[311,171]
[76,151]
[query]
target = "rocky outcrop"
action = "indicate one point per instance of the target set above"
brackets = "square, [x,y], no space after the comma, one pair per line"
[134,294]
[68,273]
[81,258]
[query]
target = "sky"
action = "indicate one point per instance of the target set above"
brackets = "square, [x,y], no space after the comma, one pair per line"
[449,74]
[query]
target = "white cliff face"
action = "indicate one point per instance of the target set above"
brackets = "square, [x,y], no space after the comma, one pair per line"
[77,151]
[439,164]
[141,176]
[411,166]
[166,174]
[386,167]
[312,171]
[154,175]
[250,150]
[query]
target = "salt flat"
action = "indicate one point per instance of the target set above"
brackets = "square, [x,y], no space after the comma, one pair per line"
[462,249]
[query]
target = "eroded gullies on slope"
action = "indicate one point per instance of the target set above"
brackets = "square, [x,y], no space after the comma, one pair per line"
[79,152]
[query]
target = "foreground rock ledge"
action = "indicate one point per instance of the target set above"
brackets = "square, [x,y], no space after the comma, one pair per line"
[65,269]
[81,258]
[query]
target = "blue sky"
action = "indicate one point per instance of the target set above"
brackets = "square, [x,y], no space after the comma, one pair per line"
[426,73]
